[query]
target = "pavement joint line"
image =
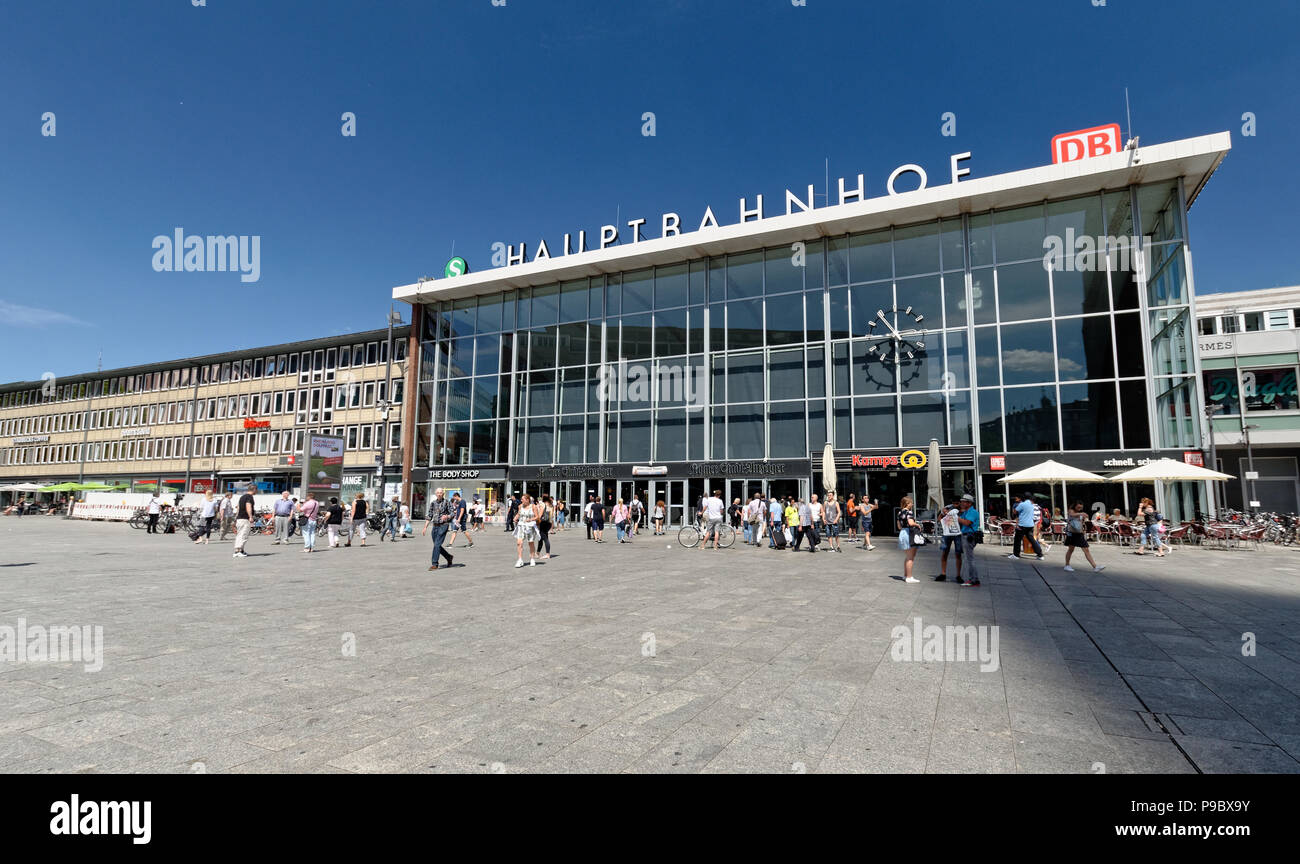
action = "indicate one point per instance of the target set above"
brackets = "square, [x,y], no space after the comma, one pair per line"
[1122,677]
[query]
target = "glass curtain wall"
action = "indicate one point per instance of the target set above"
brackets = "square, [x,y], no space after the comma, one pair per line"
[1019,330]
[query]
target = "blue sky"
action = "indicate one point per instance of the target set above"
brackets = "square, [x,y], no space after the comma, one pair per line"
[478,124]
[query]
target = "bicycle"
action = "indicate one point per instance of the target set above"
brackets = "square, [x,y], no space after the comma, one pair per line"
[691,535]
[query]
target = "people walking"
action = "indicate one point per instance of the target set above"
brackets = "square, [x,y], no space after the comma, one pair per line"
[208,513]
[621,515]
[308,510]
[391,515]
[545,524]
[791,522]
[660,512]
[404,514]
[526,531]
[1076,537]
[1025,522]
[851,517]
[635,513]
[226,510]
[334,523]
[357,519]
[438,516]
[775,524]
[865,511]
[1150,520]
[512,512]
[807,525]
[713,511]
[950,539]
[283,512]
[598,512]
[154,509]
[586,512]
[459,521]
[245,513]
[832,522]
[907,523]
[972,534]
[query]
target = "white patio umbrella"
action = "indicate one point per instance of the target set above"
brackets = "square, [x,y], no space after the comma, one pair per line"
[21,487]
[1168,470]
[828,468]
[934,478]
[1053,472]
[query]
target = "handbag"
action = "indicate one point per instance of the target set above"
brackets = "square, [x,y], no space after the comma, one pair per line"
[917,536]
[1076,525]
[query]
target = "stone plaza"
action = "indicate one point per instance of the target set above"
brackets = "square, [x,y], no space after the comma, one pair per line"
[644,657]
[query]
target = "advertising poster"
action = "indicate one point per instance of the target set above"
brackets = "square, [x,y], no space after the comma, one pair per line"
[323,471]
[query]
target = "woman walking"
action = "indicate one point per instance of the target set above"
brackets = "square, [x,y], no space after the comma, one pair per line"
[209,514]
[308,510]
[659,511]
[335,522]
[526,531]
[358,519]
[545,519]
[621,515]
[1076,537]
[907,522]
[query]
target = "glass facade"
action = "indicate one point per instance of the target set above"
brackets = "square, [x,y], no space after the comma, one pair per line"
[961,330]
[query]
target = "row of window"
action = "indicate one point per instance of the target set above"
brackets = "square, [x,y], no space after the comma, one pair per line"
[310,367]
[310,406]
[1248,322]
[263,443]
[890,255]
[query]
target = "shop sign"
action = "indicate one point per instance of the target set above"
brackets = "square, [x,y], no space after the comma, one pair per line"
[136,432]
[1085,143]
[997,463]
[250,423]
[910,459]
[1194,457]
[649,470]
[32,439]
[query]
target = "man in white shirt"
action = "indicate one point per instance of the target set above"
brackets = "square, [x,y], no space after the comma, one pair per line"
[714,510]
[817,514]
[154,509]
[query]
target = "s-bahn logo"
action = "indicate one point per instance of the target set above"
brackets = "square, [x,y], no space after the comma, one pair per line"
[912,459]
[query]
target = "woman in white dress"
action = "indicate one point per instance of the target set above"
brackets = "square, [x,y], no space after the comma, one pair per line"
[526,531]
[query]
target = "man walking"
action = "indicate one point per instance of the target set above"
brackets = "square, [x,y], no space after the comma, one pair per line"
[245,513]
[586,512]
[1025,524]
[776,524]
[807,527]
[227,513]
[390,520]
[635,512]
[439,516]
[459,521]
[971,532]
[283,512]
[950,532]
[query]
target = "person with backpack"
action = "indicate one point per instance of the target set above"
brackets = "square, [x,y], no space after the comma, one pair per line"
[635,512]
[335,522]
[545,521]
[1076,537]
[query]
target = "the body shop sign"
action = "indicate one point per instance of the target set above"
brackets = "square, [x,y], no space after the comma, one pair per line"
[323,465]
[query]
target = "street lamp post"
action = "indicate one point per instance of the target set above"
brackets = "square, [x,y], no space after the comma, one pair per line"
[1252,503]
[1210,412]
[385,404]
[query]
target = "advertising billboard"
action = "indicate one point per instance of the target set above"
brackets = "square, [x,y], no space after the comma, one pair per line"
[323,464]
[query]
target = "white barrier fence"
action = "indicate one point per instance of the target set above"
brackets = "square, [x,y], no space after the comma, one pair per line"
[120,506]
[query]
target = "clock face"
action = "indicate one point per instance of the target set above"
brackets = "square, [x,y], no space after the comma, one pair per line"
[901,335]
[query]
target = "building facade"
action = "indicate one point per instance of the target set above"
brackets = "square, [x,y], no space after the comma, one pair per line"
[216,422]
[946,314]
[1249,346]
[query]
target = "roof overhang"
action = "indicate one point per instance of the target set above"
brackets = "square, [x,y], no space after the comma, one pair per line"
[1193,159]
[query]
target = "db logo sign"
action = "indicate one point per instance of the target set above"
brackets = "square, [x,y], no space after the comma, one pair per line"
[1086,143]
[912,459]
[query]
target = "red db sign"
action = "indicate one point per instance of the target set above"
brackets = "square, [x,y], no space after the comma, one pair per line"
[1086,143]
